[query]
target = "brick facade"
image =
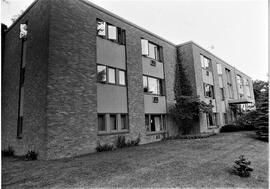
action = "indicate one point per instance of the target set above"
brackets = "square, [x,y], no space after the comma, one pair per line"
[60,105]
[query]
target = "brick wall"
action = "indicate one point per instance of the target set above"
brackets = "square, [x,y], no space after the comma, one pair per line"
[34,121]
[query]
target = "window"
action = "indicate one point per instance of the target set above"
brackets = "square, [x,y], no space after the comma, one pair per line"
[113,123]
[152,85]
[209,90]
[239,81]
[111,32]
[205,62]
[222,94]
[154,123]
[122,77]
[151,50]
[225,118]
[111,75]
[247,88]
[101,123]
[124,122]
[106,74]
[219,69]
[101,28]
[101,73]
[229,82]
[210,120]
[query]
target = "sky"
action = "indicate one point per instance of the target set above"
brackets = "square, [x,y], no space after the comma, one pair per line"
[235,31]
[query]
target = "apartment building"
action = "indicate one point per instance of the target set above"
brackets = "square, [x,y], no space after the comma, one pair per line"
[75,75]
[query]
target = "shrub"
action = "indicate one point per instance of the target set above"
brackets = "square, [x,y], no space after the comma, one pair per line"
[8,152]
[235,128]
[241,167]
[105,147]
[31,155]
[121,142]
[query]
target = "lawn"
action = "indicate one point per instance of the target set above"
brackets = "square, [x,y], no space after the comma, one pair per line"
[175,163]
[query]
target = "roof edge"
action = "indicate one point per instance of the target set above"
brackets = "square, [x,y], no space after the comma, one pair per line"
[22,15]
[126,21]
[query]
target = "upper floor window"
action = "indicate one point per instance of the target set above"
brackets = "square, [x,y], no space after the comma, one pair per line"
[247,88]
[219,69]
[229,82]
[208,90]
[151,50]
[111,32]
[152,85]
[239,81]
[205,62]
[110,75]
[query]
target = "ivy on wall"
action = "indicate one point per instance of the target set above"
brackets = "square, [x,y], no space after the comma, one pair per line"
[188,106]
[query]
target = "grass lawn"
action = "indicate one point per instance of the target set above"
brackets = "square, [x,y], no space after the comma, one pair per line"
[175,163]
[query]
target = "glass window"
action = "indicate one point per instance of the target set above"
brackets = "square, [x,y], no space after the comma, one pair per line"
[101,73]
[205,62]
[153,85]
[210,121]
[112,32]
[124,122]
[222,94]
[208,90]
[101,123]
[239,81]
[147,123]
[111,75]
[219,69]
[145,84]
[158,125]
[144,44]
[225,118]
[247,87]
[101,28]
[152,124]
[113,124]
[122,77]
[152,51]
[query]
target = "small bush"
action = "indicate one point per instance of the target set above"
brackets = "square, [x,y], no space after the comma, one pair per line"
[8,152]
[31,155]
[105,147]
[241,167]
[121,142]
[235,128]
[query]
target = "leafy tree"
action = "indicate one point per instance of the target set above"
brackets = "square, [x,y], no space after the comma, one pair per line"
[259,87]
[16,16]
[188,106]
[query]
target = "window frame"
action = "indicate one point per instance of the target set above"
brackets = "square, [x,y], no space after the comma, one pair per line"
[202,59]
[160,83]
[105,125]
[148,128]
[117,83]
[158,51]
[211,89]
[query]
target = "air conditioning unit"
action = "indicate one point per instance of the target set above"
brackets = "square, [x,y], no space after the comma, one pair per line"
[155,99]
[153,63]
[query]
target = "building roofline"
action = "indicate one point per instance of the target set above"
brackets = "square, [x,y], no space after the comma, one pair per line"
[192,42]
[22,15]
[126,21]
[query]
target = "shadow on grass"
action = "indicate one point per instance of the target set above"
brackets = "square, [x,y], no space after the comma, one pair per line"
[254,136]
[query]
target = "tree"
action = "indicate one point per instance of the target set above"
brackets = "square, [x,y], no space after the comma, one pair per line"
[188,106]
[16,16]
[259,87]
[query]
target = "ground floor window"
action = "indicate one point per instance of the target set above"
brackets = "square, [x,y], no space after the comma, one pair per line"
[212,119]
[155,122]
[225,118]
[112,123]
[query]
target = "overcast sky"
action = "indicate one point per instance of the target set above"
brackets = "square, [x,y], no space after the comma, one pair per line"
[235,31]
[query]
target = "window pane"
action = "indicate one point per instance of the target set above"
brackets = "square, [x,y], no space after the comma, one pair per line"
[153,85]
[101,73]
[147,123]
[145,85]
[222,93]
[206,63]
[111,75]
[247,88]
[144,44]
[101,28]
[113,125]
[219,69]
[122,78]
[101,123]
[152,124]
[123,122]
[202,61]
[152,50]
[157,122]
[112,32]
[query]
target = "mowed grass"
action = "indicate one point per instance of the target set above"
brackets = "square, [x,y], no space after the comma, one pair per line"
[175,163]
